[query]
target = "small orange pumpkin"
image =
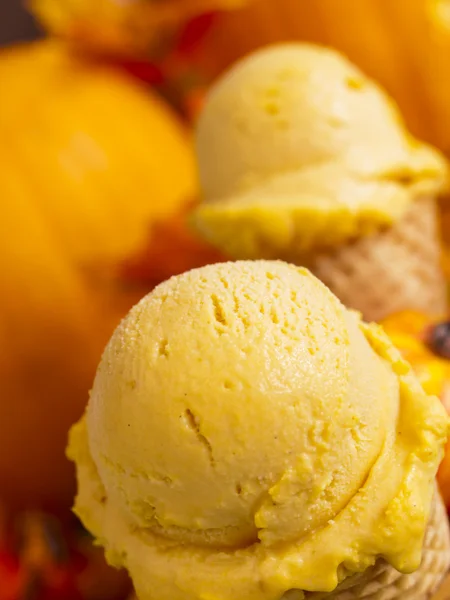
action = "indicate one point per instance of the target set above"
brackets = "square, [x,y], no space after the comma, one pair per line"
[91,163]
[426,345]
[140,27]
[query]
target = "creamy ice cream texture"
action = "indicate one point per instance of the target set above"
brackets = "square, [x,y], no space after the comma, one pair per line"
[298,149]
[247,435]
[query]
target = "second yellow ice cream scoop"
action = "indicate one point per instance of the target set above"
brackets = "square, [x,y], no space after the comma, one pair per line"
[304,158]
[299,151]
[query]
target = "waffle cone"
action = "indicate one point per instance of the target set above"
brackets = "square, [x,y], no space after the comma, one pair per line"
[396,269]
[383,582]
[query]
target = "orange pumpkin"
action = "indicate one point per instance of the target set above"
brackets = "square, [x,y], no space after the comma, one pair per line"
[132,27]
[426,345]
[91,162]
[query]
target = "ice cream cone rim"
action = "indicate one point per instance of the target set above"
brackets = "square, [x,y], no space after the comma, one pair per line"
[283,228]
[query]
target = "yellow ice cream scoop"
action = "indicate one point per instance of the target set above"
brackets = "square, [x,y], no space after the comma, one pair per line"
[247,435]
[298,148]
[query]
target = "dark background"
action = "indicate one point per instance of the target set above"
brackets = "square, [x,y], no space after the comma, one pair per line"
[15,22]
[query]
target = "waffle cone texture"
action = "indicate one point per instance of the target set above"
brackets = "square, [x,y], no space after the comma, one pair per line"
[396,269]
